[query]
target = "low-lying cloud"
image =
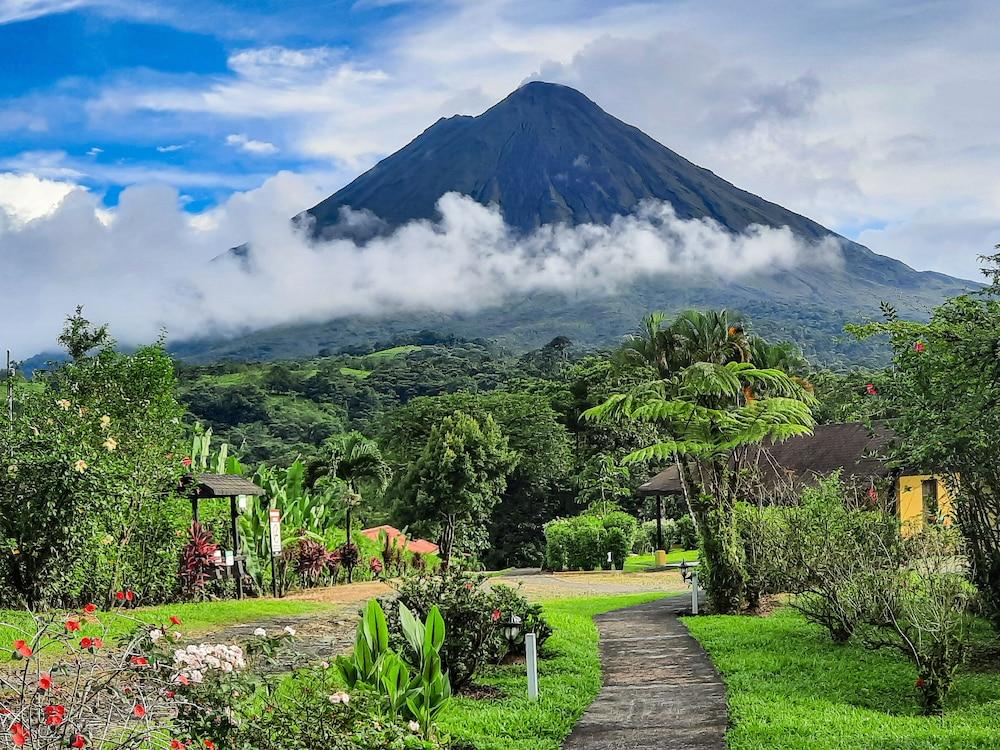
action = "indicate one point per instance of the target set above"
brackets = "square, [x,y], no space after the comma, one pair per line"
[148,265]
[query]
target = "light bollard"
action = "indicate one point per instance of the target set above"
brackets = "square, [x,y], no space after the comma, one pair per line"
[531,657]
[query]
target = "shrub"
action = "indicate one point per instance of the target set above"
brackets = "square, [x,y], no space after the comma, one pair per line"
[467,611]
[197,565]
[763,532]
[509,604]
[834,554]
[685,533]
[583,542]
[645,539]
[557,535]
[923,610]
[471,614]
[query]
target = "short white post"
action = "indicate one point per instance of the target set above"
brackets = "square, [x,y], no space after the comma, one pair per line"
[531,654]
[694,592]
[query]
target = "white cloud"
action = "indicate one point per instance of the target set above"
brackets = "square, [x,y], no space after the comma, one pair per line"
[24,198]
[170,148]
[24,10]
[241,141]
[94,151]
[146,263]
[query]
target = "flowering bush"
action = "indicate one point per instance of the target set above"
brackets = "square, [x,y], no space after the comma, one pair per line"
[472,614]
[84,693]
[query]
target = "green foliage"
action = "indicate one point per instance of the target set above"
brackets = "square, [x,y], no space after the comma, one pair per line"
[944,388]
[86,494]
[583,542]
[763,534]
[686,534]
[788,687]
[452,489]
[536,488]
[471,614]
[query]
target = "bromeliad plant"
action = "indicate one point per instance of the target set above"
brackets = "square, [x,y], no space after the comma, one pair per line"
[414,690]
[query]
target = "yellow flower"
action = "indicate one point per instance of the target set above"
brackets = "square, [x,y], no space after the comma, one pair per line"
[110,444]
[83,411]
[12,470]
[63,404]
[80,466]
[105,422]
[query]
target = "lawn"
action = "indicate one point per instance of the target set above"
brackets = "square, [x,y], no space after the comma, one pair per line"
[569,679]
[354,372]
[639,563]
[790,687]
[197,618]
[396,351]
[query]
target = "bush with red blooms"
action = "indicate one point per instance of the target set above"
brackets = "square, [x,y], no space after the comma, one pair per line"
[72,688]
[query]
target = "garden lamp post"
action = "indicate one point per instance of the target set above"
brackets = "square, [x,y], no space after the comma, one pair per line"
[510,629]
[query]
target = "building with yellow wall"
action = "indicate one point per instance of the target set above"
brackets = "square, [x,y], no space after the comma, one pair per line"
[922,499]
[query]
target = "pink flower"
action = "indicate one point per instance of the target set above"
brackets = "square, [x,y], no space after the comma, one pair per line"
[919,347]
[22,650]
[496,615]
[18,734]
[871,389]
[139,711]
[44,682]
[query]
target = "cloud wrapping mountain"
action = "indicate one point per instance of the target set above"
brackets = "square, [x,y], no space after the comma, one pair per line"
[145,265]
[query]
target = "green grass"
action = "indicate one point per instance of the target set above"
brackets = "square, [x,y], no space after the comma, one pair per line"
[639,563]
[197,618]
[354,372]
[396,351]
[232,378]
[789,687]
[569,679]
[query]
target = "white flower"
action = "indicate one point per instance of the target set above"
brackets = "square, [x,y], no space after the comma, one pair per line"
[155,635]
[289,630]
[414,726]
[105,422]
[260,633]
[176,635]
[340,698]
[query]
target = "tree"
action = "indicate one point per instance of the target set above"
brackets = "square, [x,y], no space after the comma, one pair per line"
[356,461]
[458,480]
[91,463]
[79,336]
[710,422]
[944,390]
[603,483]
[537,490]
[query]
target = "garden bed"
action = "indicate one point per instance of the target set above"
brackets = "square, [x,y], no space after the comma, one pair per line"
[789,687]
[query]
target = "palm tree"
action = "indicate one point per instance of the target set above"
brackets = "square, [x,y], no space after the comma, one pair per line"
[356,461]
[717,336]
[710,423]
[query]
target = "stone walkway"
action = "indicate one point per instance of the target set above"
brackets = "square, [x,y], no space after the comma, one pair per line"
[660,688]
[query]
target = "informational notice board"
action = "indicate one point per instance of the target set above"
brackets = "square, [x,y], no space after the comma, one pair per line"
[274,517]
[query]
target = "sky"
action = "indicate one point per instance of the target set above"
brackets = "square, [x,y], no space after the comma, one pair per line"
[169,126]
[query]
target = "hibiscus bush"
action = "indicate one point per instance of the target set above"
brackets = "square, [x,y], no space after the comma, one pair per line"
[72,687]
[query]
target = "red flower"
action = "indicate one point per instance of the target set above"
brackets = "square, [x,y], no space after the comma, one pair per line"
[183,679]
[921,682]
[78,741]
[140,661]
[97,643]
[175,620]
[55,715]
[120,596]
[129,596]
[22,650]
[170,694]
[44,682]
[496,615]
[139,711]
[186,461]
[209,744]
[871,389]
[18,734]
[72,626]
[919,347]
[90,608]
[176,745]
[468,587]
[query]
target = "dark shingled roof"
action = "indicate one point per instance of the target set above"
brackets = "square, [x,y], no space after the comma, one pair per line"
[852,448]
[223,485]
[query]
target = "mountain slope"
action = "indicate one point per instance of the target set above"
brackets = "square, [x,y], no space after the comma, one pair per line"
[548,154]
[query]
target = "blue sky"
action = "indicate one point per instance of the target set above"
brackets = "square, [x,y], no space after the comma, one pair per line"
[133,132]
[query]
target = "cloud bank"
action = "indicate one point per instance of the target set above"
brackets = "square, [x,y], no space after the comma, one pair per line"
[148,265]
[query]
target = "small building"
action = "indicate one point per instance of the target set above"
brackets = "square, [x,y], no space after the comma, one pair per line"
[416,546]
[858,452]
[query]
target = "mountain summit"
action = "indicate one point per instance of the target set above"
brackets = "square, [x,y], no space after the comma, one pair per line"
[547,154]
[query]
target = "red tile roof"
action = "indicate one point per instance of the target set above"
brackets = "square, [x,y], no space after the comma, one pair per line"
[418,546]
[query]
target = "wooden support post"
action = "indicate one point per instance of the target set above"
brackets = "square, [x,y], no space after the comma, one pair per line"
[661,554]
[234,528]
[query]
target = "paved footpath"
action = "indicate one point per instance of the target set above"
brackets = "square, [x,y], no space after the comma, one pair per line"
[660,688]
